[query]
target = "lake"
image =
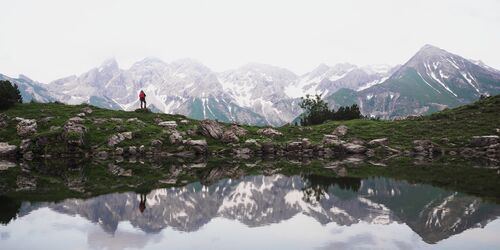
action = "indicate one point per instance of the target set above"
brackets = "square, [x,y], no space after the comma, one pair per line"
[257,212]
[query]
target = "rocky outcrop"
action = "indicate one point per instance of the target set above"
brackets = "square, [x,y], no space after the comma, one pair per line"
[211,129]
[230,137]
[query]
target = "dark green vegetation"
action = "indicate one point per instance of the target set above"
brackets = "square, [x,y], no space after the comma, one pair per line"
[316,111]
[9,95]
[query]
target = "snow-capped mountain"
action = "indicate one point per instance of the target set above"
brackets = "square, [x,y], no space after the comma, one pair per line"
[433,79]
[433,213]
[259,94]
[326,80]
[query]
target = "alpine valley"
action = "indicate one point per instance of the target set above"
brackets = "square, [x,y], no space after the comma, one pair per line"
[258,94]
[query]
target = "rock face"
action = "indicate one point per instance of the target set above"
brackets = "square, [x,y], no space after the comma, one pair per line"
[26,127]
[212,129]
[7,149]
[269,132]
[117,138]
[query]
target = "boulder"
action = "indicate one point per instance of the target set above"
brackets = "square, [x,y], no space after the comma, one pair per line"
[340,130]
[26,127]
[168,124]
[238,130]
[86,110]
[352,148]
[202,143]
[269,132]
[211,129]
[306,143]
[142,149]
[74,133]
[379,142]
[329,140]
[230,137]
[6,149]
[426,147]
[132,150]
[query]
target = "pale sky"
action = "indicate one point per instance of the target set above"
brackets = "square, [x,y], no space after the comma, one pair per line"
[49,39]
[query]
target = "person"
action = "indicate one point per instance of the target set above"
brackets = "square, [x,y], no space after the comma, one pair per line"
[142,203]
[142,98]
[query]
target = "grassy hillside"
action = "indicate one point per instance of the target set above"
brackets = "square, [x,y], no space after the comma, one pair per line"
[456,125]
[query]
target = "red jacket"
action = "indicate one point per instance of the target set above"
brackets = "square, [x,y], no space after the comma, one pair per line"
[142,94]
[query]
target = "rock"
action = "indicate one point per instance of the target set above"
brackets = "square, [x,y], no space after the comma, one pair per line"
[119,151]
[3,120]
[76,119]
[238,130]
[103,155]
[184,122]
[74,133]
[486,140]
[340,130]
[230,137]
[86,110]
[269,132]
[358,141]
[136,120]
[117,138]
[329,140]
[117,120]
[168,124]
[294,146]
[26,127]
[268,148]
[175,137]
[157,120]
[426,147]
[211,129]
[378,142]
[80,114]
[354,148]
[306,143]
[142,149]
[24,145]
[6,149]
[100,120]
[4,165]
[242,152]
[202,143]
[132,150]
[156,143]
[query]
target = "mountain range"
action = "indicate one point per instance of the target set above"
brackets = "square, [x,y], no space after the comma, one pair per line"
[258,94]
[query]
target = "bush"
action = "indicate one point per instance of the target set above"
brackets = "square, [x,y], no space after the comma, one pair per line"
[9,95]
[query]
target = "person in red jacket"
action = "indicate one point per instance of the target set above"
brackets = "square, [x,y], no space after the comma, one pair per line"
[142,98]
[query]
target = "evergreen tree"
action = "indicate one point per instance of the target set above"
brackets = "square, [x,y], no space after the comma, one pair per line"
[9,95]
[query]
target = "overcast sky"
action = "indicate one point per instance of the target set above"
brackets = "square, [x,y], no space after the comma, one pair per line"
[49,39]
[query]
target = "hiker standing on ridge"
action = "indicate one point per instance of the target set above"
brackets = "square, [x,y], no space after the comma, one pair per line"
[142,98]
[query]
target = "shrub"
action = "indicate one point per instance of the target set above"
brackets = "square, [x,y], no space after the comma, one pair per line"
[317,111]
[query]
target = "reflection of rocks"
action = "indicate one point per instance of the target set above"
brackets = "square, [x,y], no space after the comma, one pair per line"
[433,213]
[25,183]
[7,150]
[26,127]
[4,165]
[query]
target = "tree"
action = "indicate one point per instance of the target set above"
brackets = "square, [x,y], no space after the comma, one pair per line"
[9,95]
[316,111]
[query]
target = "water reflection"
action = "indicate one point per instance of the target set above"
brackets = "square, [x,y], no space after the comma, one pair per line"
[375,208]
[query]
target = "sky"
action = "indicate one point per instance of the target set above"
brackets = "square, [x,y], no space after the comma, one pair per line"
[50,39]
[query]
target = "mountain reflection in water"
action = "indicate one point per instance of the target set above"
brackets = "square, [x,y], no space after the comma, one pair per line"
[385,205]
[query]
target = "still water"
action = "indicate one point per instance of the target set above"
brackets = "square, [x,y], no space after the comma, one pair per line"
[259,212]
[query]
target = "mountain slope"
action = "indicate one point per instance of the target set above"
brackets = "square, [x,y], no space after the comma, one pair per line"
[433,79]
[30,90]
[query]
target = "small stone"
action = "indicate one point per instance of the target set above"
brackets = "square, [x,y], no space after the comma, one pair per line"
[132,150]
[340,130]
[76,119]
[80,114]
[118,151]
[380,141]
[86,110]
[156,143]
[184,122]
[142,149]
[136,120]
[168,124]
